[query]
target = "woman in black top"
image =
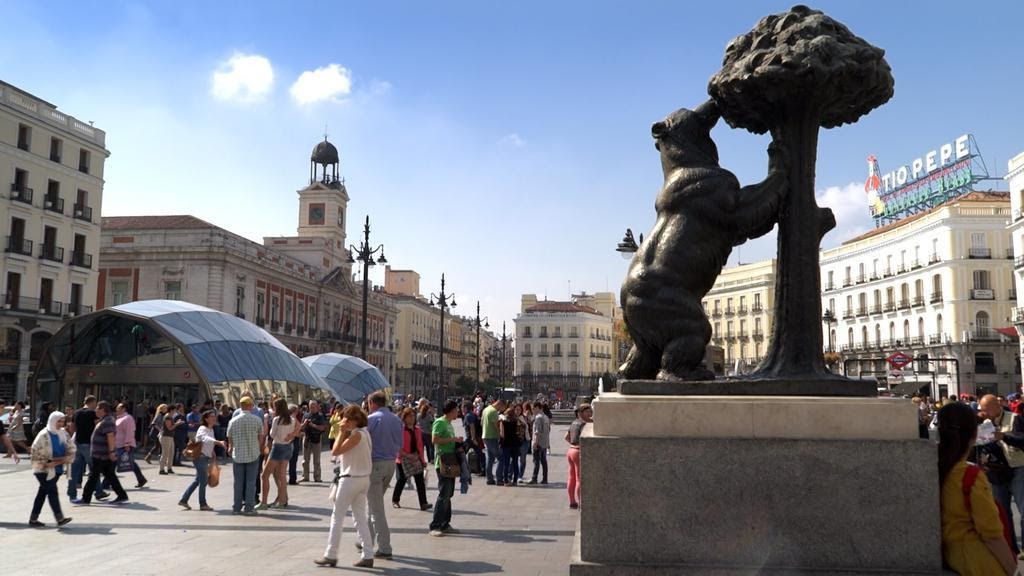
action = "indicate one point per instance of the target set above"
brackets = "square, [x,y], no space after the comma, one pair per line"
[510,441]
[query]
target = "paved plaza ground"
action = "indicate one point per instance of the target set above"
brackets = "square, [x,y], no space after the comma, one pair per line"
[521,531]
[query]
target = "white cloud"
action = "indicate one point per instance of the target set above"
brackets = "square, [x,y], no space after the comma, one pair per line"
[850,205]
[243,78]
[513,140]
[332,82]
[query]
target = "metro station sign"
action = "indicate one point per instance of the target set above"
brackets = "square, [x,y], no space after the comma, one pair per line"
[899,359]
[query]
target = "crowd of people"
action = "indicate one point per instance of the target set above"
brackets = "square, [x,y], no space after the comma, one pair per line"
[370,445]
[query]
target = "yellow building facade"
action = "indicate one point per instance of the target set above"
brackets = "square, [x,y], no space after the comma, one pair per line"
[740,307]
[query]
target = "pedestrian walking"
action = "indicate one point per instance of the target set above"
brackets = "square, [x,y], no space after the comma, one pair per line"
[425,419]
[411,461]
[572,436]
[283,429]
[386,432]
[104,455]
[17,428]
[51,452]
[511,441]
[541,442]
[206,437]
[84,421]
[156,428]
[6,440]
[353,447]
[492,438]
[245,439]
[443,436]
[124,440]
[168,447]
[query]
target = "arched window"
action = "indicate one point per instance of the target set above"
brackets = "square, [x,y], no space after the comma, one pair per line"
[938,326]
[544,366]
[920,328]
[527,367]
[877,301]
[36,350]
[919,289]
[849,337]
[936,288]
[864,336]
[892,332]
[906,331]
[573,367]
[981,324]
[878,334]
[558,367]
[904,294]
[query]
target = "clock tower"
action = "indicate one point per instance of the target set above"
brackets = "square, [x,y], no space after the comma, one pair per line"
[323,204]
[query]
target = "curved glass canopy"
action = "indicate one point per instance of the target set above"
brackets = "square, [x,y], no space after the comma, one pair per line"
[179,343]
[347,377]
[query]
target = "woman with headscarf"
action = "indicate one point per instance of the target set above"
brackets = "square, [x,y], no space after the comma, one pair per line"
[51,450]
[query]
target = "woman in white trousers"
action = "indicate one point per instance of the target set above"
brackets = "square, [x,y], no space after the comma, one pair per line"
[353,446]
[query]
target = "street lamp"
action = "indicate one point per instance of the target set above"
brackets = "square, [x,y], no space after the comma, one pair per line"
[486,324]
[629,245]
[443,301]
[365,254]
[829,319]
[504,340]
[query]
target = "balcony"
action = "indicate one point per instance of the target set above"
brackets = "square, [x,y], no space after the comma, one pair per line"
[934,339]
[862,311]
[730,311]
[861,278]
[83,212]
[51,252]
[758,335]
[874,276]
[830,286]
[982,294]
[21,193]
[556,335]
[889,307]
[81,259]
[875,309]
[34,305]
[543,335]
[1009,253]
[717,340]
[274,325]
[287,328]
[527,334]
[904,304]
[888,272]
[743,336]
[985,335]
[847,282]
[19,246]
[917,301]
[933,258]
[730,336]
[73,309]
[756,308]
[917,341]
[574,354]
[543,354]
[935,297]
[916,264]
[53,204]
[902,268]
[527,354]
[847,314]
[975,253]
[716,313]
[742,309]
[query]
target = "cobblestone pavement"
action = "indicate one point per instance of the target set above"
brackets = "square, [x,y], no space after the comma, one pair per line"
[526,530]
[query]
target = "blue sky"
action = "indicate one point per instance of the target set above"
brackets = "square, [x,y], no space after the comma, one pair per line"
[506,144]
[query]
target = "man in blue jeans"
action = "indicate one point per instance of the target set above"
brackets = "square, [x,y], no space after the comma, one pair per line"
[85,422]
[442,434]
[489,418]
[245,439]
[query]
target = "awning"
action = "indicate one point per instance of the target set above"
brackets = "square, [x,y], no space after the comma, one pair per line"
[1011,332]
[347,377]
[908,388]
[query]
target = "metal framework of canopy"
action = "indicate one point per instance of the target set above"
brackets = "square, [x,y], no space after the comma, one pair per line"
[349,378]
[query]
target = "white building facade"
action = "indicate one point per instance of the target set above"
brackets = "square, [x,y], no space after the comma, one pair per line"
[1015,178]
[938,286]
[54,164]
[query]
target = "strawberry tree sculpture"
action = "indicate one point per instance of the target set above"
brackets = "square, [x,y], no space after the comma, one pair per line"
[793,74]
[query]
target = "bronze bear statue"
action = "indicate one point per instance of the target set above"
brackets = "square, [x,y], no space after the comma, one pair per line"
[702,213]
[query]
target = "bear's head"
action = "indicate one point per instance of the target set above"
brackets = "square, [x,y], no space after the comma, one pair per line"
[684,137]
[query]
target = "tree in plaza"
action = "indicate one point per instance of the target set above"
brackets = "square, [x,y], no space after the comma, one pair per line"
[794,73]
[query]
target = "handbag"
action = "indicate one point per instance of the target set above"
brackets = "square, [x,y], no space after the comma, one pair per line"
[194,450]
[450,467]
[213,475]
[124,460]
[411,465]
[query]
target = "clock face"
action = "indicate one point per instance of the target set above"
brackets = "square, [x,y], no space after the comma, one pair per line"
[316,214]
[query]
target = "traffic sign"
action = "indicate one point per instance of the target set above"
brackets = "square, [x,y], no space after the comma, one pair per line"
[899,359]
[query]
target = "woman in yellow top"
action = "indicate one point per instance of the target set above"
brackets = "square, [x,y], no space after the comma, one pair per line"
[972,536]
[335,430]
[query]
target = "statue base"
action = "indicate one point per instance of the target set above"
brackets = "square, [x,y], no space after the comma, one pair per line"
[756,485]
[814,386]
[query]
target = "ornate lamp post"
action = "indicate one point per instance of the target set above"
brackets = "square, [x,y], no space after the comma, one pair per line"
[829,319]
[504,340]
[443,301]
[486,324]
[365,254]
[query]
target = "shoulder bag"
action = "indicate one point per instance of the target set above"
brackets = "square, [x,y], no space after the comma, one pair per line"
[450,466]
[411,463]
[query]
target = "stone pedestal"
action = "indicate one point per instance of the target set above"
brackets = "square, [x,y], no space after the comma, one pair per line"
[756,485]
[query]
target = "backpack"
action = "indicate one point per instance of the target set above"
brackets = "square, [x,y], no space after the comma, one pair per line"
[970,476]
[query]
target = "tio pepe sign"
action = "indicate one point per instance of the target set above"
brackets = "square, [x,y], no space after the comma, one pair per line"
[929,177]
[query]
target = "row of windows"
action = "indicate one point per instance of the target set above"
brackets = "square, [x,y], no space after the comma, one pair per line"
[46,303]
[48,247]
[717,332]
[717,310]
[52,201]
[556,368]
[556,350]
[982,290]
[980,329]
[573,332]
[56,148]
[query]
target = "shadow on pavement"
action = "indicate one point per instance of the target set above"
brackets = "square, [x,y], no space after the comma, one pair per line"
[435,566]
